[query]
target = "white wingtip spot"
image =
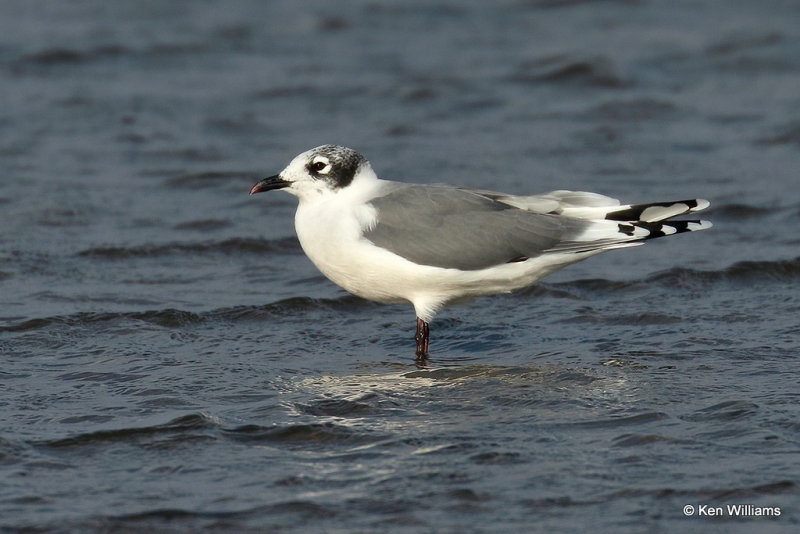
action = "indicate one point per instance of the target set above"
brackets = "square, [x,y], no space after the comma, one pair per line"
[657,213]
[701,204]
[702,225]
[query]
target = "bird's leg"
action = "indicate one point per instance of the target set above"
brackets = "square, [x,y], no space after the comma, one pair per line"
[421,337]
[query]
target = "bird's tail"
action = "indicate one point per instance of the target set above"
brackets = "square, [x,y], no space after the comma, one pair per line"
[650,212]
[642,221]
[657,211]
[651,230]
[631,225]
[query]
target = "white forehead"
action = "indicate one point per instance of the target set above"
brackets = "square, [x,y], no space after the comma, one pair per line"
[338,166]
[304,157]
[301,161]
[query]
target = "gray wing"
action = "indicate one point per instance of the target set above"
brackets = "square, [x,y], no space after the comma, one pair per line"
[443,226]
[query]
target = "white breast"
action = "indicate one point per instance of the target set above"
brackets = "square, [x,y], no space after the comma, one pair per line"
[330,231]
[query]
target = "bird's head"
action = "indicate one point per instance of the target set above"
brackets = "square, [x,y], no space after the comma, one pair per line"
[316,172]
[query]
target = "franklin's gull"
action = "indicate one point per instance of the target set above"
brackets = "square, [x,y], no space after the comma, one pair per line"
[433,244]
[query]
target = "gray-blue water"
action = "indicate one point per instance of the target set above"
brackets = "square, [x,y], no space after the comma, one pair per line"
[171,361]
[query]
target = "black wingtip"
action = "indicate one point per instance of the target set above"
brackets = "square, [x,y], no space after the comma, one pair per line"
[670,228]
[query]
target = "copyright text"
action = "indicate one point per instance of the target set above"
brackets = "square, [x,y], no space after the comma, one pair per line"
[731,510]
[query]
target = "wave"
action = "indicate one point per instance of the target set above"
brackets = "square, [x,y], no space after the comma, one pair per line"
[285,307]
[283,515]
[203,225]
[338,407]
[175,318]
[614,422]
[678,277]
[740,211]
[202,180]
[196,425]
[632,110]
[191,422]
[306,509]
[725,411]
[651,318]
[168,317]
[743,271]
[301,434]
[748,272]
[236,245]
[697,495]
[593,71]
[789,134]
[59,55]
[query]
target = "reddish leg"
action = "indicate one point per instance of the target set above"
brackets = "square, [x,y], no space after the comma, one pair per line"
[421,337]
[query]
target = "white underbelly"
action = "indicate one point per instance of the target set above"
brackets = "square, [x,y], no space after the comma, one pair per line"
[331,237]
[332,240]
[362,268]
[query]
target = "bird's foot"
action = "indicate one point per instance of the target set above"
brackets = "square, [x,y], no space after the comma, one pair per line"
[421,337]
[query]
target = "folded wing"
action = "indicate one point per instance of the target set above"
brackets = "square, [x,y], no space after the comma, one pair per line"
[465,229]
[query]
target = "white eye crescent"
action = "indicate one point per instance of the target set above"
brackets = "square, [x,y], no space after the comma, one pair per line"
[320,165]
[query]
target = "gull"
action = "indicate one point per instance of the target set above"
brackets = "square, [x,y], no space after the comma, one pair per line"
[431,245]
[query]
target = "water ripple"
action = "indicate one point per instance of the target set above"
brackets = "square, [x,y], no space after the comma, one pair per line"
[302,434]
[181,425]
[233,246]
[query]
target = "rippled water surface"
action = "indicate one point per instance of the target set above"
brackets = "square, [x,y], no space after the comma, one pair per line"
[171,361]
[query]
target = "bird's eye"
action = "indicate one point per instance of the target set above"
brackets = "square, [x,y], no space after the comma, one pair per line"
[318,166]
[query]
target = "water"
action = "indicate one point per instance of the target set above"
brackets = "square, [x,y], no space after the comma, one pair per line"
[172,362]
